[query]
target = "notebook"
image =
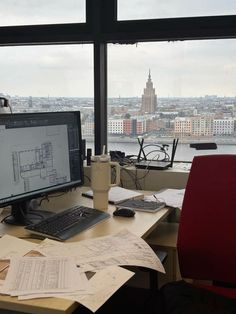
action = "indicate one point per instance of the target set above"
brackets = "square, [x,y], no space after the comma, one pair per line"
[117,194]
[142,205]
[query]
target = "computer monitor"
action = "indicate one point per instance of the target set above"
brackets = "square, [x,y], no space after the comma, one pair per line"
[40,153]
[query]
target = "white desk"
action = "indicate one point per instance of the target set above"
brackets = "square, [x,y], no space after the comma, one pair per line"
[141,225]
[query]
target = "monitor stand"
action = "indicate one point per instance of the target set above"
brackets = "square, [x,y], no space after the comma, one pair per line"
[25,213]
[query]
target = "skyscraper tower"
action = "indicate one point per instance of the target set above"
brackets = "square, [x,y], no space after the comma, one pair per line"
[149,98]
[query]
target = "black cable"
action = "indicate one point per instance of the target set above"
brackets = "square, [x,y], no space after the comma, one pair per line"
[158,157]
[160,149]
[47,197]
[87,177]
[130,174]
[134,177]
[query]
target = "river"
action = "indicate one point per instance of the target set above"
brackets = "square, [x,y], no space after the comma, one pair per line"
[183,151]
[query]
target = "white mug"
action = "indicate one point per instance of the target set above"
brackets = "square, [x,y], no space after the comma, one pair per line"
[101,179]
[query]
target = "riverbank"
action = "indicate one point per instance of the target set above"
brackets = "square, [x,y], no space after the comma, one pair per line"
[226,140]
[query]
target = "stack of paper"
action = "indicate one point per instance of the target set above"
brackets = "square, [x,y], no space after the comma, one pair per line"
[37,276]
[50,270]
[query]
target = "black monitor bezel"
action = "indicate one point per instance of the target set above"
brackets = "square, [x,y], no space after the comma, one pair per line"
[57,188]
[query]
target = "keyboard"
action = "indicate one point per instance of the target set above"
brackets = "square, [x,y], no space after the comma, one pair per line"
[63,225]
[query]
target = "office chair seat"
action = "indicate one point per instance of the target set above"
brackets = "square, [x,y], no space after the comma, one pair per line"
[181,297]
[221,290]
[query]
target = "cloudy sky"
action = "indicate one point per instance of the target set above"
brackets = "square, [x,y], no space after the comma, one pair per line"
[173,8]
[189,68]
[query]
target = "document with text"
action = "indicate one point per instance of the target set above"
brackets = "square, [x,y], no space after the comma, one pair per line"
[12,246]
[123,248]
[102,286]
[55,269]
[29,275]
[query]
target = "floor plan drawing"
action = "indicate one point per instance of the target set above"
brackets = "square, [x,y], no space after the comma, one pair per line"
[35,164]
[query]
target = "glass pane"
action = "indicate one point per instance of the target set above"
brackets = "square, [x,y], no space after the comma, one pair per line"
[152,9]
[50,78]
[32,12]
[172,89]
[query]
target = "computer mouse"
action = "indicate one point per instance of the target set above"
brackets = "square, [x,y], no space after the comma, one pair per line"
[124,212]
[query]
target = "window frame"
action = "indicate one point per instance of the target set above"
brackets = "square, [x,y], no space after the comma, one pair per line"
[102,27]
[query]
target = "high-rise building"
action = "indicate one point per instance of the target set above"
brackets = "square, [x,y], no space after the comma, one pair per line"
[223,126]
[30,102]
[149,98]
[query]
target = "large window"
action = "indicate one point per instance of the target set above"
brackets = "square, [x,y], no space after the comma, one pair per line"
[190,60]
[172,89]
[49,78]
[152,9]
[13,12]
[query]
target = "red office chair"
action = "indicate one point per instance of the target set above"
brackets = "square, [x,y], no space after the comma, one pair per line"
[207,235]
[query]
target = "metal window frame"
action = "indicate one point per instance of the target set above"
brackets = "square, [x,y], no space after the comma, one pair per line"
[102,27]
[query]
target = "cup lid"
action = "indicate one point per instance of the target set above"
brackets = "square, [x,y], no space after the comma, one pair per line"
[100,158]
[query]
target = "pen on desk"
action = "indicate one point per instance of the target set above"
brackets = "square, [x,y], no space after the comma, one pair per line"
[158,199]
[3,268]
[6,262]
[155,197]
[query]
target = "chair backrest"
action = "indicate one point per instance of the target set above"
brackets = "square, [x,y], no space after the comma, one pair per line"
[207,232]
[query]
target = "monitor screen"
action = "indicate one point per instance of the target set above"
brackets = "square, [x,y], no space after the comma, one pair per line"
[40,153]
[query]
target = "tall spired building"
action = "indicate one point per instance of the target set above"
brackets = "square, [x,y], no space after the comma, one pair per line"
[149,98]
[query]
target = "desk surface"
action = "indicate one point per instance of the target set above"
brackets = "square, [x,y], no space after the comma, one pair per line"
[141,225]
